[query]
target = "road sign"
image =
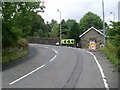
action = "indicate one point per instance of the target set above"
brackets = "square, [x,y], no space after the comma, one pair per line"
[67,41]
[92,46]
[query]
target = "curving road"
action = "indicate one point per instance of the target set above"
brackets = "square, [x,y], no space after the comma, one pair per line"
[54,67]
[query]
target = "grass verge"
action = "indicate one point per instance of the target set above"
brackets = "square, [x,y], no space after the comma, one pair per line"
[111,52]
[8,56]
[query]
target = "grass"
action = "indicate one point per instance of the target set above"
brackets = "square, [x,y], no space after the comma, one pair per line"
[8,56]
[111,52]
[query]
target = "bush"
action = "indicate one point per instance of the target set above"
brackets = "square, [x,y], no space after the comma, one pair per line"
[14,53]
[22,43]
[112,54]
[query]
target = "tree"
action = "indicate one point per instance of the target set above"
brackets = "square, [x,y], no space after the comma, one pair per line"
[38,24]
[16,20]
[74,31]
[114,33]
[90,19]
[114,39]
[54,29]
[53,22]
[65,31]
[67,28]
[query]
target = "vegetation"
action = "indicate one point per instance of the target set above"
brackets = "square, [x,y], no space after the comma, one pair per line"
[72,29]
[19,20]
[112,49]
[54,29]
[111,52]
[13,55]
[90,19]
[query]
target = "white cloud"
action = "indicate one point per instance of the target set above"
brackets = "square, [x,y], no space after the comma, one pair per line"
[75,9]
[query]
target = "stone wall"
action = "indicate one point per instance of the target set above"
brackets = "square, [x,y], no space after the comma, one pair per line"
[47,41]
[84,40]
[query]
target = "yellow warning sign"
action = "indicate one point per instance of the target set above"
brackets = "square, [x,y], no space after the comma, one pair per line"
[92,46]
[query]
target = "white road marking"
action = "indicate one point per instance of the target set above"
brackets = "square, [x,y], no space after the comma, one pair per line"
[54,51]
[101,71]
[53,58]
[46,47]
[43,46]
[35,69]
[26,75]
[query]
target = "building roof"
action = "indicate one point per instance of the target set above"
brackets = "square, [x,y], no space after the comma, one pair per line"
[92,28]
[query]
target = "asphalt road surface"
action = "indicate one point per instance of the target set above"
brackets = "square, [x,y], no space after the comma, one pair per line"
[55,67]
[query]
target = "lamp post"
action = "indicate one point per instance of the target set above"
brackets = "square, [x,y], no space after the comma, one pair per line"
[104,39]
[60,27]
[113,15]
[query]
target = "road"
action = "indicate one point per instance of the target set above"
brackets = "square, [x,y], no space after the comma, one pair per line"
[55,67]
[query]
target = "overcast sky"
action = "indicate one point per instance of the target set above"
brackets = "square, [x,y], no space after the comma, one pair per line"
[76,9]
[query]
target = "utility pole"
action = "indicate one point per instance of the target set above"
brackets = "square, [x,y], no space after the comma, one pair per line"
[119,11]
[60,27]
[104,39]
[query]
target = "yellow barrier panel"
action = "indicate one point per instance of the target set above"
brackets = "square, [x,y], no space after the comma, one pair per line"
[92,46]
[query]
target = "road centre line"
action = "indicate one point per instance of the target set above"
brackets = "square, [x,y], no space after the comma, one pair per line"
[54,51]
[33,70]
[48,47]
[43,46]
[101,71]
[26,75]
[53,58]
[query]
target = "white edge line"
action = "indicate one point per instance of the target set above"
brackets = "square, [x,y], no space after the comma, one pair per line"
[26,75]
[101,71]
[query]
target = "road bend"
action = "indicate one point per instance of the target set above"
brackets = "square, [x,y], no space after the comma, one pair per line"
[53,67]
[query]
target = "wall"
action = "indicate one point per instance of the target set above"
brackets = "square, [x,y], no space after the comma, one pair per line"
[91,34]
[48,41]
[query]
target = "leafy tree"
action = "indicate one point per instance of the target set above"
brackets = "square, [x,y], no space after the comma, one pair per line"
[70,29]
[65,30]
[90,19]
[53,22]
[38,24]
[49,27]
[74,31]
[54,29]
[114,33]
[114,39]
[69,26]
[16,20]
